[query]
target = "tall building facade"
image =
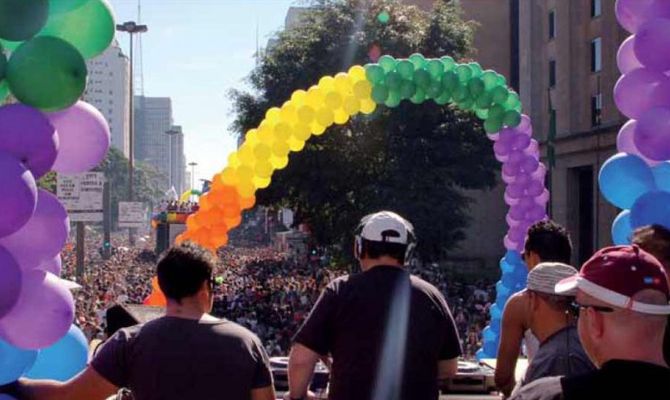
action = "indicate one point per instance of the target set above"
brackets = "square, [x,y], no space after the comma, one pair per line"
[153,119]
[108,91]
[177,160]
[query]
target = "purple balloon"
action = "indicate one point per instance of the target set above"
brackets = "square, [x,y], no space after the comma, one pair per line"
[28,135]
[521,142]
[84,138]
[10,282]
[631,14]
[517,234]
[510,244]
[501,151]
[533,149]
[652,135]
[511,221]
[535,188]
[43,237]
[525,125]
[543,198]
[537,213]
[526,203]
[514,191]
[19,195]
[652,42]
[517,213]
[523,180]
[508,179]
[626,59]
[510,169]
[529,164]
[493,136]
[507,136]
[540,173]
[641,90]
[42,315]
[509,200]
[54,266]
[625,141]
[516,158]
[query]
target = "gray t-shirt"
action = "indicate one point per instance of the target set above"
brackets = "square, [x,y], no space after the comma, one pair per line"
[175,358]
[561,354]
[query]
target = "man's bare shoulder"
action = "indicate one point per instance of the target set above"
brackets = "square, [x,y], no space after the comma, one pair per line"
[516,306]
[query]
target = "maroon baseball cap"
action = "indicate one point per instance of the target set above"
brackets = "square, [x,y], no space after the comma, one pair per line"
[615,274]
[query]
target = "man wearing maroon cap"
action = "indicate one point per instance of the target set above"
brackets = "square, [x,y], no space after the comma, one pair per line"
[622,303]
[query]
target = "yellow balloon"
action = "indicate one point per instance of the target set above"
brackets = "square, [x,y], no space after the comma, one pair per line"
[327,83]
[295,144]
[245,173]
[363,89]
[368,106]
[251,137]
[280,149]
[315,97]
[233,160]
[279,162]
[266,133]
[324,117]
[262,151]
[340,116]
[229,176]
[317,129]
[246,155]
[352,105]
[342,83]
[245,189]
[282,131]
[264,169]
[301,132]
[299,96]
[357,72]
[306,114]
[333,100]
[272,115]
[289,113]
[262,183]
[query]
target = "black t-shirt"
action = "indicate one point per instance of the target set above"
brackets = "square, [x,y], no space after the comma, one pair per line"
[358,316]
[174,358]
[617,379]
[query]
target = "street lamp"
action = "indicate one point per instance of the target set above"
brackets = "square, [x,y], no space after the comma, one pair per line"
[131,28]
[192,165]
[170,133]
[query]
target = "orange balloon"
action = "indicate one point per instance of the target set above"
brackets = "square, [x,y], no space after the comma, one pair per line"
[191,222]
[154,284]
[233,222]
[231,210]
[248,202]
[156,299]
[206,202]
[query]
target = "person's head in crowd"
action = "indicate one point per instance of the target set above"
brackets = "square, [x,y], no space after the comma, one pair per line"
[185,276]
[622,305]
[547,241]
[654,239]
[547,307]
[383,238]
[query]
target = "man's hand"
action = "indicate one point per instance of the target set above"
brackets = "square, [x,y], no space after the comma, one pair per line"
[310,396]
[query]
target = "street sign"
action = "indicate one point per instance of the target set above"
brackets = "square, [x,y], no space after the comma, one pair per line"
[81,195]
[132,215]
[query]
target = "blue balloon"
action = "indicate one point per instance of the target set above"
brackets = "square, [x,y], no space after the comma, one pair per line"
[489,335]
[496,312]
[502,290]
[6,397]
[622,229]
[513,257]
[62,360]
[624,178]
[14,362]
[506,267]
[495,325]
[491,347]
[480,355]
[662,176]
[652,208]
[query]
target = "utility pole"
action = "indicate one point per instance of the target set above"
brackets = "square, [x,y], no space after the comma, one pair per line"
[172,132]
[192,165]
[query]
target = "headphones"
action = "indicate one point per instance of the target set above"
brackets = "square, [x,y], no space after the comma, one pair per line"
[358,238]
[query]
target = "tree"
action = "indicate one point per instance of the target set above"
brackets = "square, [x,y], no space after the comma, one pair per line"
[415,160]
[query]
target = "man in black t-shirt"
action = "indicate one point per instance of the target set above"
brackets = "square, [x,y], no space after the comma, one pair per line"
[188,354]
[390,334]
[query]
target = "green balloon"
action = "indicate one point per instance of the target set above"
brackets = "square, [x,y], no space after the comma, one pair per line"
[450,81]
[61,6]
[512,118]
[434,90]
[380,93]
[476,69]
[418,60]
[47,73]
[496,112]
[22,19]
[422,78]
[461,93]
[393,80]
[442,99]
[448,62]
[374,73]
[484,100]
[393,100]
[482,113]
[499,94]
[89,28]
[407,89]
[476,86]
[467,105]
[406,69]
[493,125]
[513,102]
[464,72]
[9,45]
[435,68]
[501,80]
[419,97]
[490,79]
[3,64]
[4,91]
[388,63]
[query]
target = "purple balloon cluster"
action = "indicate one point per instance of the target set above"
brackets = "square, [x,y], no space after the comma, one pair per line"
[36,308]
[524,175]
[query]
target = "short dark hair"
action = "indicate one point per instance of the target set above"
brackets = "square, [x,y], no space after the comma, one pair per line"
[550,241]
[183,269]
[374,249]
[654,239]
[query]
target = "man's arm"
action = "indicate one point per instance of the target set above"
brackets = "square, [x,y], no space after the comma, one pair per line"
[447,369]
[301,363]
[511,334]
[88,385]
[266,393]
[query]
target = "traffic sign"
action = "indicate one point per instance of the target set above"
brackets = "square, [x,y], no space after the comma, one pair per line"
[132,214]
[81,195]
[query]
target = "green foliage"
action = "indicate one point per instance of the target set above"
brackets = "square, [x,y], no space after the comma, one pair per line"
[414,160]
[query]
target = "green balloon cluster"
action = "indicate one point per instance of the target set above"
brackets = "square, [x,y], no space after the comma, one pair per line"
[22,19]
[444,81]
[47,73]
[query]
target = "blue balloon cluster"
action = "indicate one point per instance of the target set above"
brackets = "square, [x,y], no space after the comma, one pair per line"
[513,279]
[642,191]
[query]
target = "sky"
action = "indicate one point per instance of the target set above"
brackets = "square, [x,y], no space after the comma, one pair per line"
[196,51]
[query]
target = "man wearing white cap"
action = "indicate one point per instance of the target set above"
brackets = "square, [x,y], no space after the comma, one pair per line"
[622,303]
[390,334]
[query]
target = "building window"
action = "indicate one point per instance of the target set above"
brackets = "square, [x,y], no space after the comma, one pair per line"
[596,8]
[552,24]
[552,73]
[596,55]
[596,109]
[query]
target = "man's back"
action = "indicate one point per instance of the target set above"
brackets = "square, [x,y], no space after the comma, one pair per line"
[175,358]
[351,322]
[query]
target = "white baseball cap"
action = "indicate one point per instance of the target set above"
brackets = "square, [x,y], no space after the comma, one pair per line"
[544,277]
[386,226]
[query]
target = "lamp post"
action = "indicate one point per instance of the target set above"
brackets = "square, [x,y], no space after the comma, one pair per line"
[170,133]
[131,28]
[192,165]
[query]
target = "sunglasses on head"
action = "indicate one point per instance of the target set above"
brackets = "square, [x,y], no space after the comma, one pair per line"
[575,308]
